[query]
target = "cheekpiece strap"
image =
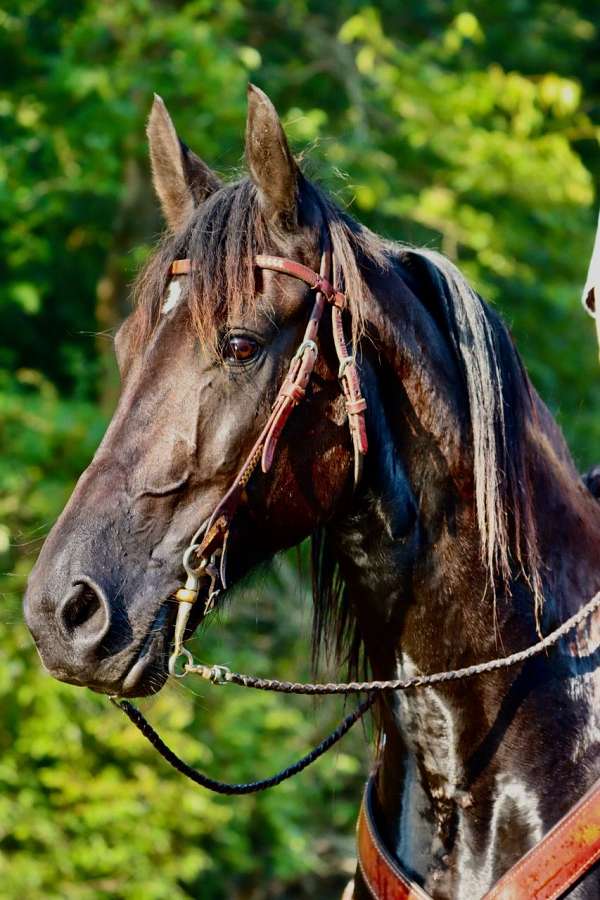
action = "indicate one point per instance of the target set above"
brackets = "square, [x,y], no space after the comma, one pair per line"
[291,393]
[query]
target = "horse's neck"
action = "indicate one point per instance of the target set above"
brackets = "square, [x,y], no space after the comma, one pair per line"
[468,772]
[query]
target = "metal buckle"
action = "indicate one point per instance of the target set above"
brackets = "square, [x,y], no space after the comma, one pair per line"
[304,346]
[215,674]
[183,614]
[344,363]
[175,657]
[218,674]
[190,570]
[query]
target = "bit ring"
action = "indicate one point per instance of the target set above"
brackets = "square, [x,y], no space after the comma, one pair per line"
[190,570]
[174,657]
[304,346]
[344,363]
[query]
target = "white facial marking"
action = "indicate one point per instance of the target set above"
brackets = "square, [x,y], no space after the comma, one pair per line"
[173,296]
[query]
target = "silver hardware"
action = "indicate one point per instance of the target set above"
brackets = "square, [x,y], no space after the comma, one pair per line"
[183,614]
[186,597]
[218,674]
[190,570]
[214,674]
[210,601]
[344,363]
[304,346]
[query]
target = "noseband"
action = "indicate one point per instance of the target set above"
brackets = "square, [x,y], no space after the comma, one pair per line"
[206,554]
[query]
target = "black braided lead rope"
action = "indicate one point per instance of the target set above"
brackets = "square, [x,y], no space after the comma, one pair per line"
[251,787]
[221,675]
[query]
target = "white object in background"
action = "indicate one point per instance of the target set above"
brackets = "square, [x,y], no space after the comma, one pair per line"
[591,291]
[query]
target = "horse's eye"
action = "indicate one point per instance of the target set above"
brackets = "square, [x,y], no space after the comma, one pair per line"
[239,349]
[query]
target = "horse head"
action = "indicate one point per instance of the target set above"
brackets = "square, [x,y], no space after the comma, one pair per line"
[201,359]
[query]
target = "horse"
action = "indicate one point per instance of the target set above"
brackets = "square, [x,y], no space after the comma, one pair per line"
[464,528]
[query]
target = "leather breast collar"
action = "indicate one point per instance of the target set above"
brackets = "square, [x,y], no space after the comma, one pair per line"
[546,872]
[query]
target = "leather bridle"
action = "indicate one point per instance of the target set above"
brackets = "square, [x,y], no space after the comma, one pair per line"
[205,557]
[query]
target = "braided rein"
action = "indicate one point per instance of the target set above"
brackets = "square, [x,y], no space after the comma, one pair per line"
[222,675]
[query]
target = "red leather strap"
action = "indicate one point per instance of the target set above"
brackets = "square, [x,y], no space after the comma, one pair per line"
[566,853]
[546,872]
[181,267]
[302,365]
[294,386]
[355,402]
[314,280]
[318,282]
[290,393]
[381,873]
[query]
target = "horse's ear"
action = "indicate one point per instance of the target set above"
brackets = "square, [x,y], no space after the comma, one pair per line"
[181,180]
[272,166]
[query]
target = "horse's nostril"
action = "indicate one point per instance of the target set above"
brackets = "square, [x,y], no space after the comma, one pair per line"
[80,607]
[84,613]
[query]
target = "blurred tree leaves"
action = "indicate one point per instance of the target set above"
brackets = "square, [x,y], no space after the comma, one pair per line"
[469,126]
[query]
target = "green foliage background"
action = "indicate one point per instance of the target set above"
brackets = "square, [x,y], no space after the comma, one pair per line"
[466,125]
